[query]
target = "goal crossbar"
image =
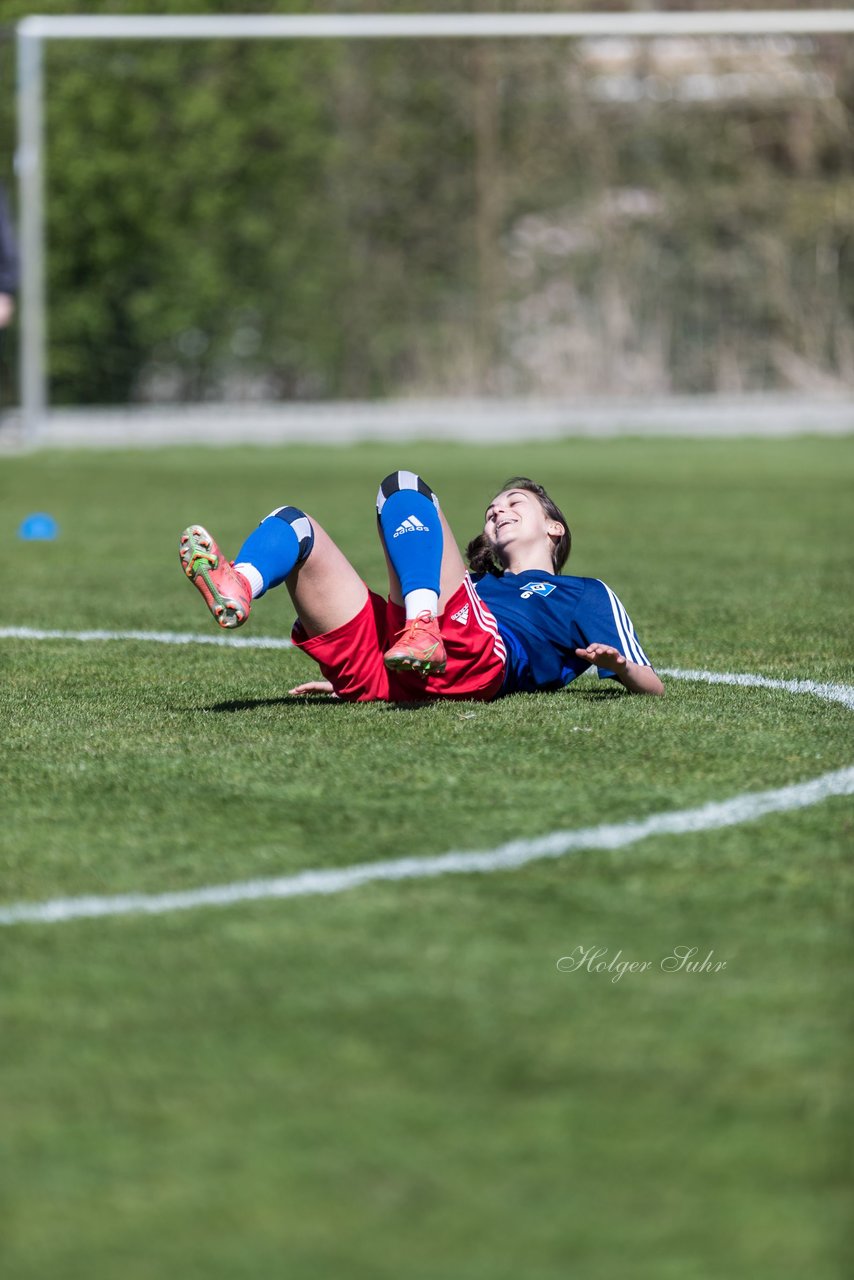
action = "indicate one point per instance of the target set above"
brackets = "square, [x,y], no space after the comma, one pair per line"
[437,25]
[33,31]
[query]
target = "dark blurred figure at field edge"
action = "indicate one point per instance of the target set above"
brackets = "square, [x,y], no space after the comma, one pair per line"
[9,268]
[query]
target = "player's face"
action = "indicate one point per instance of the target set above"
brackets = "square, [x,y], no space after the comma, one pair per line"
[515,522]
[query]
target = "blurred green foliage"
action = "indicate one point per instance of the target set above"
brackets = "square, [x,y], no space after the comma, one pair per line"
[254,219]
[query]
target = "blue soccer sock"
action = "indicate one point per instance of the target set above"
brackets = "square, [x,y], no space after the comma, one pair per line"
[281,542]
[408,512]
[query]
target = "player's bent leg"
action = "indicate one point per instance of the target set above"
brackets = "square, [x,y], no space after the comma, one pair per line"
[225,591]
[281,541]
[284,539]
[326,590]
[453,566]
[412,536]
[425,569]
[286,547]
[341,625]
[411,533]
[452,569]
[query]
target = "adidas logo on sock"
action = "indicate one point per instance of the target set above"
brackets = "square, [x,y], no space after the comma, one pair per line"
[411,525]
[461,616]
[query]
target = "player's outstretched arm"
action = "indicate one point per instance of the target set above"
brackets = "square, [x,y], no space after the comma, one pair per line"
[632,675]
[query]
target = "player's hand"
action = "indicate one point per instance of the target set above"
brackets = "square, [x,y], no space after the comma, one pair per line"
[313,686]
[605,656]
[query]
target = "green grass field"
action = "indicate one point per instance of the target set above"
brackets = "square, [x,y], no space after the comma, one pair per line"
[397,1081]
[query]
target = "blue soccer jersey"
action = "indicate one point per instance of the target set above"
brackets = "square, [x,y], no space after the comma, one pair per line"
[544,617]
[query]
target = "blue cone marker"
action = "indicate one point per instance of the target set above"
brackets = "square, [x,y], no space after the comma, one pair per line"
[38,527]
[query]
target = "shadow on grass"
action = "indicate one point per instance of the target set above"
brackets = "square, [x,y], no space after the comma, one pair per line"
[322,703]
[327,703]
[252,704]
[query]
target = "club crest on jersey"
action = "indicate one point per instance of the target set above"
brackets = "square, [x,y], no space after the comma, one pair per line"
[461,616]
[537,589]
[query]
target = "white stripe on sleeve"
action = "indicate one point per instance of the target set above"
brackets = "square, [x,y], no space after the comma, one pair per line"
[641,659]
[625,630]
[618,623]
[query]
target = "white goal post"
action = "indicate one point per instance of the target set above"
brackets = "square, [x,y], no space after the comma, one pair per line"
[32,33]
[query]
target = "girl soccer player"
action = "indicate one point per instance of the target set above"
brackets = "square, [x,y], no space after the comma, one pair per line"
[514,624]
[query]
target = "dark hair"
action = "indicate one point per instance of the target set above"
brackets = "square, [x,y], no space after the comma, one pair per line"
[482,558]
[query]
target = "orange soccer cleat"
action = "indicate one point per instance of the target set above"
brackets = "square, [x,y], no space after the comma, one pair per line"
[226,593]
[418,648]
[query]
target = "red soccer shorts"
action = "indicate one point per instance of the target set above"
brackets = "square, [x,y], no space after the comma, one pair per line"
[351,656]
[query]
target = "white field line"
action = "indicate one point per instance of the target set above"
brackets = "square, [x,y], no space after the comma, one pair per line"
[157,637]
[843,693]
[517,853]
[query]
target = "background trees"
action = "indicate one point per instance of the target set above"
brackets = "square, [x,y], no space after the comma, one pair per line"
[242,219]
